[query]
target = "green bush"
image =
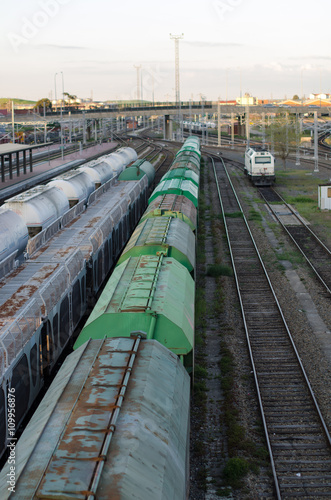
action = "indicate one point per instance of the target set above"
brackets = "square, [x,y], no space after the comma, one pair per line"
[216,270]
[235,469]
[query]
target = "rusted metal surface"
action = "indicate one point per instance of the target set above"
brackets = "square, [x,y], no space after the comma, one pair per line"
[166,235]
[173,205]
[64,443]
[149,293]
[53,267]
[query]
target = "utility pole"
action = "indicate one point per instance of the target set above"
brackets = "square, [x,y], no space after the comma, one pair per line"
[176,38]
[316,169]
[138,81]
[219,130]
[13,120]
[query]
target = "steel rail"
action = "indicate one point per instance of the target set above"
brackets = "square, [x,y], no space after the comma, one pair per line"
[256,378]
[303,224]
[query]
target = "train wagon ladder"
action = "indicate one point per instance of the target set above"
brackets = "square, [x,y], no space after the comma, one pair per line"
[76,465]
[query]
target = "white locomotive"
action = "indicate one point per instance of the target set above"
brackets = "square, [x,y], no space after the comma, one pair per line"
[260,166]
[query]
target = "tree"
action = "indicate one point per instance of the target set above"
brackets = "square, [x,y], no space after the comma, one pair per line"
[39,106]
[283,132]
[296,97]
[70,99]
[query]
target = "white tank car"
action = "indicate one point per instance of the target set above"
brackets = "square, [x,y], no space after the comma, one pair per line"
[122,158]
[100,172]
[260,166]
[13,235]
[76,185]
[39,207]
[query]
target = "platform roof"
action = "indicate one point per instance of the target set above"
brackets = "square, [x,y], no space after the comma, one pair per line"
[9,147]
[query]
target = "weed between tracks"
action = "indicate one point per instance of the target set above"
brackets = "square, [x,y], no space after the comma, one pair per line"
[239,455]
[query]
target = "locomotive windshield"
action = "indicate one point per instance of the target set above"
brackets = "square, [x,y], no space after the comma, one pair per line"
[262,159]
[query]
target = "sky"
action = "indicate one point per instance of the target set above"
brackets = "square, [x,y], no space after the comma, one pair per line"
[229,47]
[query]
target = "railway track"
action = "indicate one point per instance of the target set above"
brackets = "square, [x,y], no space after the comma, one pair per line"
[298,440]
[318,256]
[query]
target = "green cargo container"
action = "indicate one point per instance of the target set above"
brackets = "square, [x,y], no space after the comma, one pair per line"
[194,140]
[172,237]
[177,186]
[181,173]
[137,171]
[187,164]
[151,294]
[173,205]
[188,155]
[189,148]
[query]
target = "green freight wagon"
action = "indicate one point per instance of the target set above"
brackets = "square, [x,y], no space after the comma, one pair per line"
[177,186]
[151,294]
[137,170]
[173,205]
[181,173]
[162,235]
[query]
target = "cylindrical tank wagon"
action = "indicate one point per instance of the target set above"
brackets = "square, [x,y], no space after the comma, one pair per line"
[100,173]
[14,235]
[76,185]
[39,207]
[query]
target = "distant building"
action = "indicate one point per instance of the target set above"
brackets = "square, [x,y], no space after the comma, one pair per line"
[289,102]
[227,103]
[318,103]
[319,96]
[247,100]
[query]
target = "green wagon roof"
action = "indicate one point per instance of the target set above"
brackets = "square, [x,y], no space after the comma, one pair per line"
[151,294]
[188,155]
[189,148]
[166,235]
[181,173]
[173,205]
[177,186]
[137,171]
[186,163]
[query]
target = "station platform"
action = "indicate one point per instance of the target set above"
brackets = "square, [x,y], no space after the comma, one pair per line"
[46,169]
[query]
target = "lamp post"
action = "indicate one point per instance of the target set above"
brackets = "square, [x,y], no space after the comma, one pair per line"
[176,39]
[62,87]
[55,91]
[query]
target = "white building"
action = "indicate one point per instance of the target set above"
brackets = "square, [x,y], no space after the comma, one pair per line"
[324,196]
[247,100]
[319,96]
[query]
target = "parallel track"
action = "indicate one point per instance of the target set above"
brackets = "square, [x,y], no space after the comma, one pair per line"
[312,248]
[298,440]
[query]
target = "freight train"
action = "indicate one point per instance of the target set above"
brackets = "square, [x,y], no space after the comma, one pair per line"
[58,243]
[260,166]
[115,421]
